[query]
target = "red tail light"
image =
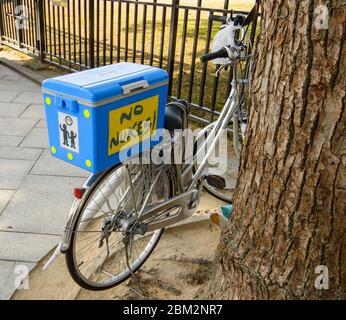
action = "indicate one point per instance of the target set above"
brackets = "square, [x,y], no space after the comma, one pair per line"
[78,193]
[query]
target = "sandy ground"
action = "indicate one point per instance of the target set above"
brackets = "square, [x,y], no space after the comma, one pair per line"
[178,268]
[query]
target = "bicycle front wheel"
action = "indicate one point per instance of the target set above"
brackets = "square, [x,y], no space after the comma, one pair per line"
[108,244]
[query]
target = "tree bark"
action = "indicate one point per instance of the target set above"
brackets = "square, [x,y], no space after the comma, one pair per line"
[290,205]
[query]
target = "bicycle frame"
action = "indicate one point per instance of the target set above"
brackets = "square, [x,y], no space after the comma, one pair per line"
[188,199]
[185,198]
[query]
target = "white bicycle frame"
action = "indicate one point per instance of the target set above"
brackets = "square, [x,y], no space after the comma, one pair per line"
[188,197]
[185,200]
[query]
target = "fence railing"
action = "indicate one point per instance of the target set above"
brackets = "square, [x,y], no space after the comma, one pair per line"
[170,34]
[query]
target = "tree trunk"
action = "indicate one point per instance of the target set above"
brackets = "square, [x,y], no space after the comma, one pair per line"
[290,204]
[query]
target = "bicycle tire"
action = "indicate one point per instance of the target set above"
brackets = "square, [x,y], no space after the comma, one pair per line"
[70,256]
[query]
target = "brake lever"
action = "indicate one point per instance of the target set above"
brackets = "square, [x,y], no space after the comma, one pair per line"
[224,66]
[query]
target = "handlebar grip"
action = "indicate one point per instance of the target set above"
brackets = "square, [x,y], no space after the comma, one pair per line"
[222,53]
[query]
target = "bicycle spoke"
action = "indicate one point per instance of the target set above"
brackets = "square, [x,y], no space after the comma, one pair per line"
[100,254]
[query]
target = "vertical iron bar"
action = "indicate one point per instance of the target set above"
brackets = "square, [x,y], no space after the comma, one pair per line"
[50,30]
[45,32]
[19,31]
[3,17]
[13,26]
[31,22]
[225,6]
[97,32]
[194,50]
[25,36]
[135,33]
[91,34]
[69,33]
[9,34]
[111,33]
[54,30]
[86,43]
[214,96]
[1,23]
[63,33]
[172,42]
[182,53]
[12,23]
[119,31]
[127,30]
[204,71]
[162,39]
[143,32]
[59,35]
[153,26]
[40,29]
[31,30]
[74,32]
[80,31]
[28,31]
[104,31]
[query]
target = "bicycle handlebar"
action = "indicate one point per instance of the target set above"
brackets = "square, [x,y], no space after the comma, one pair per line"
[222,53]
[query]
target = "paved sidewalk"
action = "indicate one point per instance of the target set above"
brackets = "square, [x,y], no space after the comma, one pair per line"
[35,189]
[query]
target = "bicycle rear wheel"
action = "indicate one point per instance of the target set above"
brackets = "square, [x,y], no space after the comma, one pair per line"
[108,244]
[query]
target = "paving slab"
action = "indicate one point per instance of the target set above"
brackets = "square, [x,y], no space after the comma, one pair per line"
[12,77]
[10,274]
[5,196]
[47,165]
[37,138]
[34,111]
[41,124]
[13,172]
[16,127]
[10,141]
[11,110]
[32,220]
[8,95]
[19,153]
[41,205]
[5,71]
[16,246]
[29,97]
[22,84]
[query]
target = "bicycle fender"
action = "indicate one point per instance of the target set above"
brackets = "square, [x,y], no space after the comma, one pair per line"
[73,214]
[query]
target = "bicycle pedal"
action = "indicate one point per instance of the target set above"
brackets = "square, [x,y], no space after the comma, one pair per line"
[216,181]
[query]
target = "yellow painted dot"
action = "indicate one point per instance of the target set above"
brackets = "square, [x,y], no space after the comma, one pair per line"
[88,163]
[86,113]
[70,156]
[53,149]
[48,101]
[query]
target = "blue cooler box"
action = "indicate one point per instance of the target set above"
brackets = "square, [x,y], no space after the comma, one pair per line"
[97,116]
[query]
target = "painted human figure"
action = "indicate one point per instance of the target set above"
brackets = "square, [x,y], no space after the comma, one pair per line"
[64,130]
[73,136]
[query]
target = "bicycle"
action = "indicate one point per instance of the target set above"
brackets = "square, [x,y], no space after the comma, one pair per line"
[120,214]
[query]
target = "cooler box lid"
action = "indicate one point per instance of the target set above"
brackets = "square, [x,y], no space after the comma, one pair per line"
[100,84]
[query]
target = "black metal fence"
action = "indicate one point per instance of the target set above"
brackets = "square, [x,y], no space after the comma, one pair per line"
[171,34]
